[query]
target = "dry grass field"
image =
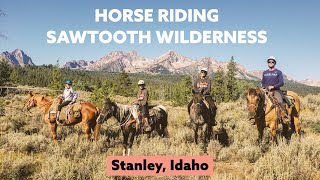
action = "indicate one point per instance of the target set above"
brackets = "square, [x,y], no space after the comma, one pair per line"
[26,150]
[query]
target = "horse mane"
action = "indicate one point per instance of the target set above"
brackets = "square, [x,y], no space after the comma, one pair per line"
[252,91]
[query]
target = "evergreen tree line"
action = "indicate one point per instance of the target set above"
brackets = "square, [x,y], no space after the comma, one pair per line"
[174,88]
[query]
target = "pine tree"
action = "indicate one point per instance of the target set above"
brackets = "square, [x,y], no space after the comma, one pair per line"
[5,71]
[182,91]
[231,82]
[123,85]
[218,89]
[56,79]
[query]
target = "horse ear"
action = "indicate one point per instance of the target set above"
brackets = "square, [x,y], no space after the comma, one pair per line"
[245,94]
[42,97]
[258,89]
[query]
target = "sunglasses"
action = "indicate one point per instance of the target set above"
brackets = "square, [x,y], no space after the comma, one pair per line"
[203,72]
[271,62]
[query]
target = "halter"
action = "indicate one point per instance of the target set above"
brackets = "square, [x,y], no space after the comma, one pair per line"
[256,106]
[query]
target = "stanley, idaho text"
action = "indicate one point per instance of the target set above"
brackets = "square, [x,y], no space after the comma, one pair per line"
[159,166]
[181,34]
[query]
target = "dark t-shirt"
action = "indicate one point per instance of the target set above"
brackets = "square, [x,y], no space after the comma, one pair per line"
[202,84]
[272,78]
[143,96]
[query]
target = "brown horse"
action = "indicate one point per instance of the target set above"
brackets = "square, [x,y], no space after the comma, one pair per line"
[88,114]
[200,116]
[269,114]
[126,117]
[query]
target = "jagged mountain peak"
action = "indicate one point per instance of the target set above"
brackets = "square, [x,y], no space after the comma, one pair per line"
[17,58]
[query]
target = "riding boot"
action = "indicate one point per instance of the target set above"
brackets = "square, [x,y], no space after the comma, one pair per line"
[148,127]
[285,117]
[213,121]
[57,117]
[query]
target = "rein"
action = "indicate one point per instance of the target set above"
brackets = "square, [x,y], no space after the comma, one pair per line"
[114,126]
[271,108]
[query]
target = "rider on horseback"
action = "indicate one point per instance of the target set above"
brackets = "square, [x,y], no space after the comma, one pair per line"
[69,97]
[272,80]
[142,101]
[203,84]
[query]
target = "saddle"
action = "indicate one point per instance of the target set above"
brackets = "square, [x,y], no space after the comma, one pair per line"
[67,112]
[155,113]
[289,100]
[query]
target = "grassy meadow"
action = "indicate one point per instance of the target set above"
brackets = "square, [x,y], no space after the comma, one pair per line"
[26,150]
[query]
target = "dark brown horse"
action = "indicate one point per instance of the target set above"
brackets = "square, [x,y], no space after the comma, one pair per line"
[88,114]
[266,113]
[126,117]
[200,116]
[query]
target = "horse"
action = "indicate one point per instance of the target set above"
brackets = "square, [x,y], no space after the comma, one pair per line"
[88,114]
[200,116]
[266,113]
[127,116]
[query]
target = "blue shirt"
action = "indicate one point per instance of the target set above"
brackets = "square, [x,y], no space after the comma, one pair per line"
[272,78]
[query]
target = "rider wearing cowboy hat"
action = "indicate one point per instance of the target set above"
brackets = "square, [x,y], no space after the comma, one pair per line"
[203,84]
[272,80]
[142,101]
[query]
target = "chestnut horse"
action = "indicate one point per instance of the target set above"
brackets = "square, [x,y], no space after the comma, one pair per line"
[269,114]
[88,114]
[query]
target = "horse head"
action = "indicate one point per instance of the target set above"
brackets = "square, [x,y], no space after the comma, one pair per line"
[254,98]
[33,100]
[196,110]
[107,111]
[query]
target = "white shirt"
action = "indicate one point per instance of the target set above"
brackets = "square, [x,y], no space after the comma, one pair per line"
[69,95]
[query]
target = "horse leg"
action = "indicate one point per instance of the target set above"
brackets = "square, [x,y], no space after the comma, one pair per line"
[195,129]
[159,129]
[209,134]
[125,142]
[53,127]
[285,132]
[205,132]
[87,130]
[260,130]
[273,131]
[131,139]
[97,131]
[297,125]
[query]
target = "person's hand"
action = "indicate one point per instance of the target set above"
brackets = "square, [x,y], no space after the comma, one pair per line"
[270,88]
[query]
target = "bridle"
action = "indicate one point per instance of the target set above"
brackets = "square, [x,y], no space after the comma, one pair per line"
[28,103]
[255,106]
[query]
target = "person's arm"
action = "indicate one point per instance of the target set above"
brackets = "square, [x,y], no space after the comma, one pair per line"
[144,99]
[208,90]
[195,87]
[74,96]
[281,81]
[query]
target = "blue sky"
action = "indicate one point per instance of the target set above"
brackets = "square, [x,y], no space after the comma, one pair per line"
[292,26]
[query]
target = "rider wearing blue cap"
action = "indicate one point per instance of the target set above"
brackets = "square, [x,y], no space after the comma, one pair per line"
[69,96]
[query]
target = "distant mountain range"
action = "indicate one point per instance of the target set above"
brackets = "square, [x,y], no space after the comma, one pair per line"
[131,62]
